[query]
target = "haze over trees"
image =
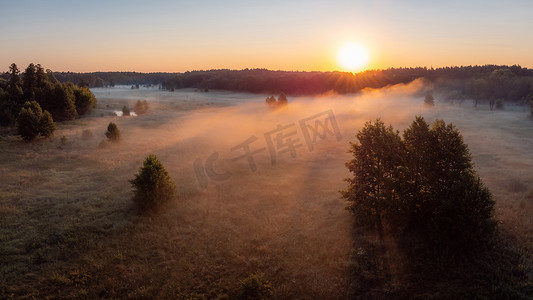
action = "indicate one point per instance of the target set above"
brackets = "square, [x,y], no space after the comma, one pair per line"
[272,103]
[141,107]
[512,83]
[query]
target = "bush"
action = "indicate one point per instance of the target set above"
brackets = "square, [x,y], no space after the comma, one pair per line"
[254,288]
[112,133]
[152,186]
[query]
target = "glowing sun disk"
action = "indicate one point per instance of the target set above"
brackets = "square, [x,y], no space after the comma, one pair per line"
[352,57]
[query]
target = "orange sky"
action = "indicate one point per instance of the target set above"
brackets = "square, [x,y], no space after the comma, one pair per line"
[170,36]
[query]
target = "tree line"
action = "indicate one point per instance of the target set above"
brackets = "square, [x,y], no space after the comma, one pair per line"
[481,83]
[512,83]
[37,92]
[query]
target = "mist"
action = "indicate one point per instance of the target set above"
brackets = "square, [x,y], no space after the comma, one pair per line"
[276,212]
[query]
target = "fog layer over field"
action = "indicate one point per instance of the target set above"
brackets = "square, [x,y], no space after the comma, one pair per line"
[276,212]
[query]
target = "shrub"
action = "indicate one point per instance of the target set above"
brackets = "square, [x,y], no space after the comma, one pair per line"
[112,133]
[152,186]
[254,288]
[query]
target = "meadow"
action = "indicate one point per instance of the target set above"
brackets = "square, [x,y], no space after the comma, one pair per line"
[68,227]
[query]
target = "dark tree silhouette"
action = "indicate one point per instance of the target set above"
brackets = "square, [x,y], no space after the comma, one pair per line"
[424,184]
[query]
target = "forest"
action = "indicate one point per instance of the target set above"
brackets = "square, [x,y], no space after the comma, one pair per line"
[510,83]
[64,101]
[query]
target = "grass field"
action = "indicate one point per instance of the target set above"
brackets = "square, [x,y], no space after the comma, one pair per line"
[68,228]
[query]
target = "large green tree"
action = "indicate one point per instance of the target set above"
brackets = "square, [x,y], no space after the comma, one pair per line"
[423,184]
[377,169]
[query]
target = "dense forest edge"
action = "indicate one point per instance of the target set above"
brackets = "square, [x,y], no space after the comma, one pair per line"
[509,83]
[35,99]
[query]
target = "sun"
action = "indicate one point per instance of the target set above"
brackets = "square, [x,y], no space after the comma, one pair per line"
[352,57]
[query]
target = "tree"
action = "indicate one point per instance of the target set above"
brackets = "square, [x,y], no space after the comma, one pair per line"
[282,99]
[29,82]
[152,186]
[28,120]
[60,102]
[125,111]
[112,133]
[429,100]
[46,124]
[32,121]
[141,107]
[14,89]
[376,168]
[271,102]
[84,100]
[423,184]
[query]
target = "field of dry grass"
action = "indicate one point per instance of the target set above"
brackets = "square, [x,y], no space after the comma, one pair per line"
[68,228]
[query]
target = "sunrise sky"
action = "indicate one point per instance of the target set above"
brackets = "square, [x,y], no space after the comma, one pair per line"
[176,36]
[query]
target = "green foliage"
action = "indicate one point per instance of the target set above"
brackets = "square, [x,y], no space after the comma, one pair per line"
[376,166]
[152,186]
[141,107]
[429,100]
[125,111]
[31,121]
[254,288]
[84,100]
[63,101]
[112,133]
[46,124]
[423,184]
